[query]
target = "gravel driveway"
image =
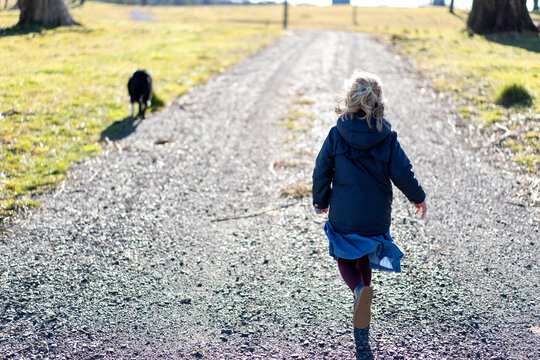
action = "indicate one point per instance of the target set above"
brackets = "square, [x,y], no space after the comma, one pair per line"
[126,263]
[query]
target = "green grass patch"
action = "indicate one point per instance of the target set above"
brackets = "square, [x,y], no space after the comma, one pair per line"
[289,138]
[490,117]
[298,120]
[16,207]
[156,102]
[295,114]
[297,126]
[528,160]
[303,102]
[513,95]
[66,86]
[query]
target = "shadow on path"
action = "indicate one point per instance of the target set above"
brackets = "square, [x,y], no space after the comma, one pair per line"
[361,340]
[120,129]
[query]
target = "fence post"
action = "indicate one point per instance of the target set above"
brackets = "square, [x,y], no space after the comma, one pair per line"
[285,7]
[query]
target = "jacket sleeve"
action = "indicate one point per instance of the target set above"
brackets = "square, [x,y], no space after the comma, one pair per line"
[323,174]
[402,175]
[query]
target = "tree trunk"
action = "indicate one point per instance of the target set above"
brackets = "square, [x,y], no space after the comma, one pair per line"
[50,13]
[451,6]
[535,7]
[490,16]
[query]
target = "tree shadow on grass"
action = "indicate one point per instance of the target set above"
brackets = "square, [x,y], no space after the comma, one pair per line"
[527,41]
[120,129]
[38,30]
[363,349]
[16,30]
[459,16]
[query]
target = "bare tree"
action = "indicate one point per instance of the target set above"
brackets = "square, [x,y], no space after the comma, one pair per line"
[44,12]
[490,16]
[451,6]
[535,7]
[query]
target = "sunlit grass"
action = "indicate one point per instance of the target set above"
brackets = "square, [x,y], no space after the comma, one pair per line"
[297,120]
[530,161]
[303,102]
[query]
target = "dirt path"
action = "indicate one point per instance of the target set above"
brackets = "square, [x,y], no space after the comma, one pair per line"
[126,263]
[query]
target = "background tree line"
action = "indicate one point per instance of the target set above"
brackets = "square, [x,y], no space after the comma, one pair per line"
[486,16]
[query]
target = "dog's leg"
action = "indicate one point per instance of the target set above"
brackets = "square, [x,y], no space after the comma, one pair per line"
[132,110]
[146,106]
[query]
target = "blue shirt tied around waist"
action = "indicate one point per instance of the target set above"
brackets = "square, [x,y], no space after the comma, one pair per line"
[353,175]
[383,253]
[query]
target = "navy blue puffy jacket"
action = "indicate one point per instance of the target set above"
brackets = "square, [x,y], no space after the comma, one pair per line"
[353,175]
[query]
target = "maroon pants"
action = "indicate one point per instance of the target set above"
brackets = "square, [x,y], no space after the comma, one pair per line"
[355,271]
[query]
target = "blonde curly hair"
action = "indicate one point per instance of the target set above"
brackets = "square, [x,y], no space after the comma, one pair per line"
[364,93]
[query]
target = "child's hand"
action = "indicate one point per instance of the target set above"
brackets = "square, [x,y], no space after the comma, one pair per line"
[422,207]
[320,211]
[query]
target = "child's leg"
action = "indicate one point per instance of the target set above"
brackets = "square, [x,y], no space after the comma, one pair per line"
[364,269]
[349,272]
[362,308]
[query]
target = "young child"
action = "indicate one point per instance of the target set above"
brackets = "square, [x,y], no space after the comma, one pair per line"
[353,176]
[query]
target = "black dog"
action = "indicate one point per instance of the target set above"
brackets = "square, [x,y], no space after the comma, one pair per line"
[140,91]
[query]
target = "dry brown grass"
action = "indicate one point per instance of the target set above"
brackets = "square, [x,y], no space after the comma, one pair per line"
[296,191]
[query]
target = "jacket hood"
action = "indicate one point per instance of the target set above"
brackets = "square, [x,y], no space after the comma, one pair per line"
[358,134]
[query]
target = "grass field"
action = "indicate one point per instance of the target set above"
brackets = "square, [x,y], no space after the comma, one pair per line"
[67,85]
